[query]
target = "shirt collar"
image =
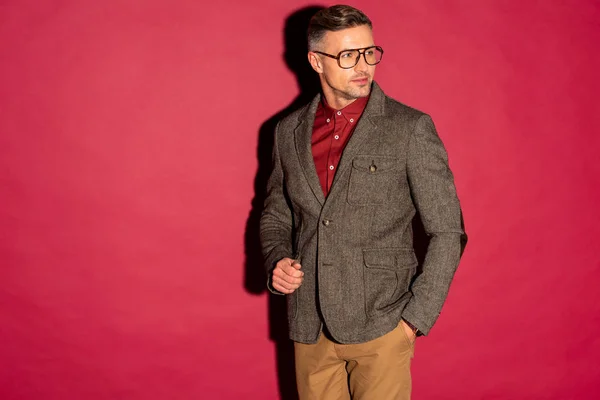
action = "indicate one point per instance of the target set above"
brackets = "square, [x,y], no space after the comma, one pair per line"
[352,111]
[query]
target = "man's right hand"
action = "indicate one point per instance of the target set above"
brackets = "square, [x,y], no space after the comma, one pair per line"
[287,276]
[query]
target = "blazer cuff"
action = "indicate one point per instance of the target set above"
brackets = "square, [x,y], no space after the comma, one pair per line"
[414,321]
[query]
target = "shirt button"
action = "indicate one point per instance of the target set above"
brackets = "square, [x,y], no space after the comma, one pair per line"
[326,222]
[351,119]
[337,137]
[331,167]
[339,113]
[328,120]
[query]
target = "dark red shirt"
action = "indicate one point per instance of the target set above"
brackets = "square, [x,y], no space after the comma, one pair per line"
[331,132]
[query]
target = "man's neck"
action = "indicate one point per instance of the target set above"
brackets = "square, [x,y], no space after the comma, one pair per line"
[336,102]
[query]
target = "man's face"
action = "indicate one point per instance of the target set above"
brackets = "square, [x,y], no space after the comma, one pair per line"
[347,84]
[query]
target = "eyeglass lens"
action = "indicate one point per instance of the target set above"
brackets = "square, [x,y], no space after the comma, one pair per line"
[350,58]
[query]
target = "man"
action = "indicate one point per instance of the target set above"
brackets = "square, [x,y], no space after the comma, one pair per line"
[350,170]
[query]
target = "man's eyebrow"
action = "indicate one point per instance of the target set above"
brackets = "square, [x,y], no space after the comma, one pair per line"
[359,48]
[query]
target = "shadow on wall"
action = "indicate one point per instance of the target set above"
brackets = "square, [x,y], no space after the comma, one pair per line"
[295,50]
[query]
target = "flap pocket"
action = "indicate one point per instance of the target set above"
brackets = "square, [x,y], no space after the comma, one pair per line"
[394,258]
[374,164]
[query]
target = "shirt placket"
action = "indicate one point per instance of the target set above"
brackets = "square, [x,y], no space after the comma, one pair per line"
[334,153]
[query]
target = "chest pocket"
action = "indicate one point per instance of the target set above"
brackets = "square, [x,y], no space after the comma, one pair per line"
[371,180]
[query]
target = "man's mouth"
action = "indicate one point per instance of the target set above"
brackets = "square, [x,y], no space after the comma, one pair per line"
[362,80]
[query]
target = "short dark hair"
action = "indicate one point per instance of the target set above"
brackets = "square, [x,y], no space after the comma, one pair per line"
[334,18]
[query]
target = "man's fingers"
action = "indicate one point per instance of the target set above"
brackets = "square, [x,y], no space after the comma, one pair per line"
[291,270]
[288,286]
[281,289]
[287,276]
[287,280]
[284,284]
[296,264]
[290,267]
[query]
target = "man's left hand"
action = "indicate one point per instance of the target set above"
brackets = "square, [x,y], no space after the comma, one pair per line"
[409,332]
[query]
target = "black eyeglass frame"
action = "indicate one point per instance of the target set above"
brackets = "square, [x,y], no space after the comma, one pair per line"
[363,53]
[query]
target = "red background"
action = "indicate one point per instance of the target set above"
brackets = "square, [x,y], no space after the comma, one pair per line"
[127,165]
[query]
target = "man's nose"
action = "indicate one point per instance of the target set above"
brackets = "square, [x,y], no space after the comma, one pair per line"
[362,65]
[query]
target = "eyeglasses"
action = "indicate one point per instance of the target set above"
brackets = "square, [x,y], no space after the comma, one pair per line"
[349,58]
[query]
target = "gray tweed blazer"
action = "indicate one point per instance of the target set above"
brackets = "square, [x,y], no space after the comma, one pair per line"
[356,245]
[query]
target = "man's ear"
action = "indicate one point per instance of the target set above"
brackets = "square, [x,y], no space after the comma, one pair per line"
[315,62]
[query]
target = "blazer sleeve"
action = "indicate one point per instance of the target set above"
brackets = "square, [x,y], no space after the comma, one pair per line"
[434,195]
[276,217]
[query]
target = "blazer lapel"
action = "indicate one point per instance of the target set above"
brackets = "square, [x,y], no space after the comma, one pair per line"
[303,136]
[365,128]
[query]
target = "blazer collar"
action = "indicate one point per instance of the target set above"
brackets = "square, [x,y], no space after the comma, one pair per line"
[303,134]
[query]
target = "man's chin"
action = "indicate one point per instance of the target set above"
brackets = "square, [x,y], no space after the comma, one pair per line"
[353,92]
[362,91]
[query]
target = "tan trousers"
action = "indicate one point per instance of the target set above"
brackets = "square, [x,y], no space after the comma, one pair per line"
[377,370]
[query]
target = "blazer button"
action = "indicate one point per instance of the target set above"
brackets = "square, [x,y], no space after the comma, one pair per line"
[326,222]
